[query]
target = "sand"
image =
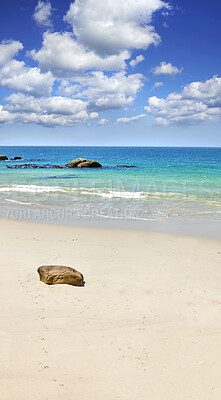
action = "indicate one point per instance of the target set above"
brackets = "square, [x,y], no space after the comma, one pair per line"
[146,326]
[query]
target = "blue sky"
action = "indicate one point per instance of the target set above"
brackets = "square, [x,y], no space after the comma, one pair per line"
[110,73]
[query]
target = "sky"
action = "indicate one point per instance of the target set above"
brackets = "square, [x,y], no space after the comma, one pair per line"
[124,73]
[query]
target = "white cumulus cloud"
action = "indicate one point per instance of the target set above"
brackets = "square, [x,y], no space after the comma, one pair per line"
[136,61]
[109,92]
[102,121]
[198,102]
[19,102]
[63,105]
[112,26]
[42,14]
[17,77]
[5,116]
[166,69]
[61,54]
[50,111]
[8,49]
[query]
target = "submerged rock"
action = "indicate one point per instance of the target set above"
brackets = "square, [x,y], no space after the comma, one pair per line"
[59,274]
[126,166]
[78,163]
[34,166]
[89,164]
[3,158]
[74,163]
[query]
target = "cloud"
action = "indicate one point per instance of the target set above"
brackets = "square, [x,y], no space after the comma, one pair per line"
[94,115]
[54,120]
[136,61]
[8,49]
[126,120]
[103,92]
[166,69]
[42,14]
[112,26]
[109,92]
[93,92]
[20,103]
[88,65]
[51,111]
[198,102]
[104,34]
[67,88]
[63,105]
[102,121]
[17,77]
[5,116]
[63,56]
[157,84]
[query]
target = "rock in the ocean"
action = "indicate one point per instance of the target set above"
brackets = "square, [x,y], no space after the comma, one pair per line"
[89,164]
[126,166]
[54,274]
[74,163]
[17,158]
[2,158]
[34,166]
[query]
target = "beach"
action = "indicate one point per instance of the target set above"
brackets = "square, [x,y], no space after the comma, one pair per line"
[110,200]
[146,325]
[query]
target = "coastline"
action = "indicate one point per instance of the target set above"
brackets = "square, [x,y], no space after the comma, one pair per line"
[169,189]
[146,324]
[178,225]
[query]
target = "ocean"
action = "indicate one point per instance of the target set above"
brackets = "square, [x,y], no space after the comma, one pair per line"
[164,183]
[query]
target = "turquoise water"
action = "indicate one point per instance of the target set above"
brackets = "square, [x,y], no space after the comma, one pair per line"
[164,183]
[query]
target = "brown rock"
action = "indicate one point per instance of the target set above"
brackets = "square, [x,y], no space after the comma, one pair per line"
[54,274]
[89,164]
[2,158]
[74,163]
[17,158]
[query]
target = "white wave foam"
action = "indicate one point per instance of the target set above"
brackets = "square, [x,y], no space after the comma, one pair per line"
[107,193]
[31,189]
[22,202]
[110,194]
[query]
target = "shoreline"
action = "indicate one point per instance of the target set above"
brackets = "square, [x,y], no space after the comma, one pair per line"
[151,305]
[99,226]
[196,227]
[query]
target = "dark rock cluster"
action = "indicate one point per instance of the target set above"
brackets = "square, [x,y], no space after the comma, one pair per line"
[5,158]
[77,163]
[34,166]
[83,163]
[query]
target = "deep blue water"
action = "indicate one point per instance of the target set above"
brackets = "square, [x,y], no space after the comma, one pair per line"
[164,182]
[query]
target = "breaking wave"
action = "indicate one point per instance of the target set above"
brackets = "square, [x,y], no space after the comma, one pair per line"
[109,193]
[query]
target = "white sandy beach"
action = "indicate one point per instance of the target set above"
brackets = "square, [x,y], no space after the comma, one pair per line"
[146,325]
